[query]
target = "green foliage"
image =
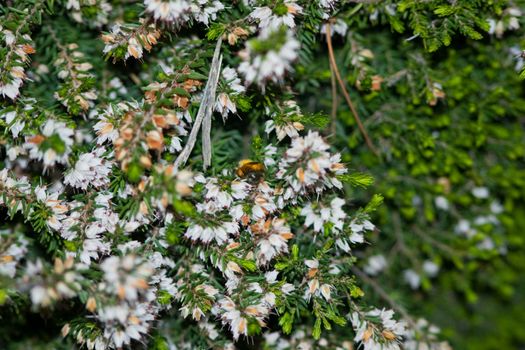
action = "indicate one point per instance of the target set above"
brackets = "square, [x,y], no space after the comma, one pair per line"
[446,124]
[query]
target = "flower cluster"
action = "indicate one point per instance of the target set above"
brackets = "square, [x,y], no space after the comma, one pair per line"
[52,145]
[123,303]
[124,41]
[232,88]
[61,282]
[308,165]
[13,249]
[178,12]
[116,222]
[93,13]
[19,47]
[273,18]
[90,169]
[76,93]
[376,329]
[286,122]
[268,57]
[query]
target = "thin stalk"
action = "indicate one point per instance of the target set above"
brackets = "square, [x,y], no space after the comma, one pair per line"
[345,92]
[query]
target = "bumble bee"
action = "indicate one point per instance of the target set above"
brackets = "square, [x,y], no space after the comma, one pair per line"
[249,169]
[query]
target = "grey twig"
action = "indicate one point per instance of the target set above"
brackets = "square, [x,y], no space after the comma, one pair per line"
[204,113]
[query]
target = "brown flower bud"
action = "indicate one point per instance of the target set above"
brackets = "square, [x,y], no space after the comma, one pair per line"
[150,95]
[312,272]
[155,140]
[388,335]
[65,330]
[28,49]
[127,134]
[146,161]
[91,304]
[300,174]
[37,139]
[6,259]
[59,266]
[240,31]
[232,39]
[152,38]
[376,82]
[107,38]
[367,334]
[160,120]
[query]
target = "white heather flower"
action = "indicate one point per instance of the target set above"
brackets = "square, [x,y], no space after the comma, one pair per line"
[385,333]
[375,265]
[74,71]
[90,169]
[263,201]
[283,121]
[13,249]
[496,207]
[328,4]
[16,126]
[430,268]
[205,10]
[287,288]
[126,276]
[269,152]
[102,11]
[281,14]
[53,145]
[358,227]
[117,88]
[272,235]
[134,49]
[105,220]
[234,83]
[315,288]
[486,244]
[224,104]
[464,227]
[325,290]
[321,215]
[176,11]
[123,323]
[312,263]
[231,316]
[290,129]
[429,332]
[13,79]
[484,220]
[307,166]
[442,203]
[133,39]
[270,65]
[334,269]
[9,37]
[207,234]
[62,282]
[480,192]
[175,144]
[58,208]
[210,329]
[412,278]
[338,27]
[105,131]
[11,89]
[222,198]
[39,296]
